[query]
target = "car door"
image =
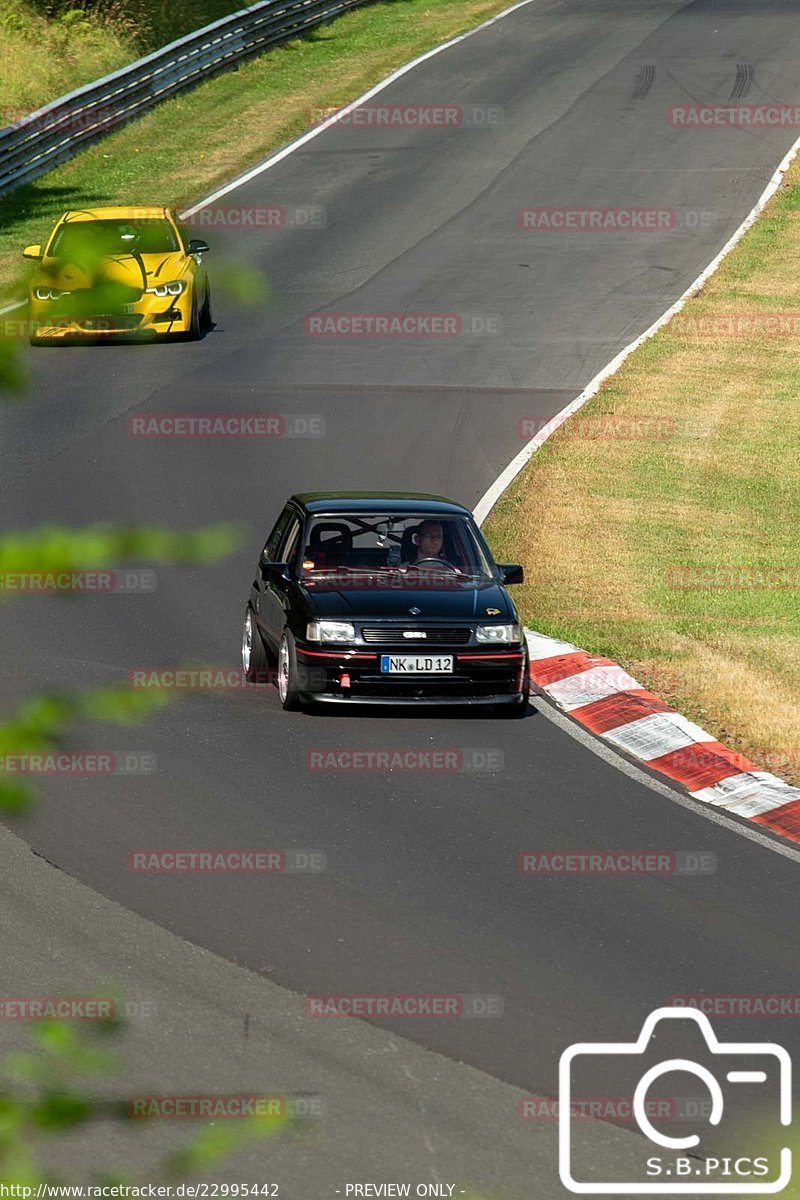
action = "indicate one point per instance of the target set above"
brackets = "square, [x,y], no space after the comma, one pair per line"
[260,599]
[282,547]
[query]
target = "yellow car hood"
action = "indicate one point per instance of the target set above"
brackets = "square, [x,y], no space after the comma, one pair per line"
[125,269]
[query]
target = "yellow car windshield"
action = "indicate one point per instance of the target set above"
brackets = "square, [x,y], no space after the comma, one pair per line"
[142,236]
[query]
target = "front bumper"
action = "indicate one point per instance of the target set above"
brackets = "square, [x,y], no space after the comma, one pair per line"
[433,701]
[353,675]
[148,318]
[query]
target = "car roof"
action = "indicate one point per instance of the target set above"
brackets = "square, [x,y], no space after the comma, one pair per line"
[378,502]
[119,212]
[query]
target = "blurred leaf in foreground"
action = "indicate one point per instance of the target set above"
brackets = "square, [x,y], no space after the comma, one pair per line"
[55,549]
[41,723]
[42,1096]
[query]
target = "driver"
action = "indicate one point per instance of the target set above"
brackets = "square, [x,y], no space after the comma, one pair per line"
[429,540]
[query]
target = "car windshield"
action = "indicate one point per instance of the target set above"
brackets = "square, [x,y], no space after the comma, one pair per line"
[411,544]
[143,235]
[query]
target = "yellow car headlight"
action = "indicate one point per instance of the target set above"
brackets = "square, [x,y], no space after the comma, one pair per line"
[47,293]
[176,288]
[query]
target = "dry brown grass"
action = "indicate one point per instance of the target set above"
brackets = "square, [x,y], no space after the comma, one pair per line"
[599,523]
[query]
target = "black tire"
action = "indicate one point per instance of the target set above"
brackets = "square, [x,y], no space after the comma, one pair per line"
[512,711]
[206,319]
[255,664]
[519,709]
[289,673]
[194,333]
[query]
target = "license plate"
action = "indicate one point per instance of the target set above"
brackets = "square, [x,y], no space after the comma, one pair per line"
[416,664]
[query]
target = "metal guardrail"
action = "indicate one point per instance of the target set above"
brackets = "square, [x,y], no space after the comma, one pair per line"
[53,134]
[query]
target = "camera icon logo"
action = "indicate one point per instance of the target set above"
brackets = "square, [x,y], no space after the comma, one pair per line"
[683,1165]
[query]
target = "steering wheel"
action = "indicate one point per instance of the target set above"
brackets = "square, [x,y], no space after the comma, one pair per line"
[440,562]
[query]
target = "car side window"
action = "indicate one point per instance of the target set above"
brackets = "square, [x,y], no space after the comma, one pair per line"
[183,232]
[270,552]
[288,549]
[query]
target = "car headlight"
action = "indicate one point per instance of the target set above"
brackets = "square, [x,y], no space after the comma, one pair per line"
[176,288]
[46,293]
[330,631]
[497,633]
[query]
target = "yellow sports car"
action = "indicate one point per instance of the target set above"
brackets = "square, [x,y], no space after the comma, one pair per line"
[118,272]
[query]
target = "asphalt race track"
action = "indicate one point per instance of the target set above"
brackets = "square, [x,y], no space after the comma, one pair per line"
[421,893]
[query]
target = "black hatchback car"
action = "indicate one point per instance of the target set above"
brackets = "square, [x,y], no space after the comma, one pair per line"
[384,599]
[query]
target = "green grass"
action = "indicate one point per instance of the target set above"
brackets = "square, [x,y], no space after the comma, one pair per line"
[186,146]
[50,48]
[601,524]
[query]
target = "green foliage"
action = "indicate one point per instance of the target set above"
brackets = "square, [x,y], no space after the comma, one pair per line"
[54,549]
[13,375]
[41,723]
[243,285]
[43,1094]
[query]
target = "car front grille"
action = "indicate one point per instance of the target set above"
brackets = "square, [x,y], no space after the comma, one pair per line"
[458,636]
[110,322]
[104,297]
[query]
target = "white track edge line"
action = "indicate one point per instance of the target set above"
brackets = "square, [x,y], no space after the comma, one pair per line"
[493,494]
[337,116]
[343,112]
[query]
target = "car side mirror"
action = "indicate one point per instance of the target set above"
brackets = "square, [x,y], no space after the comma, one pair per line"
[34,251]
[512,572]
[198,246]
[273,572]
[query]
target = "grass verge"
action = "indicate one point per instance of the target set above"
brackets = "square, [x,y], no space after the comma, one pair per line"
[187,146]
[50,47]
[659,525]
